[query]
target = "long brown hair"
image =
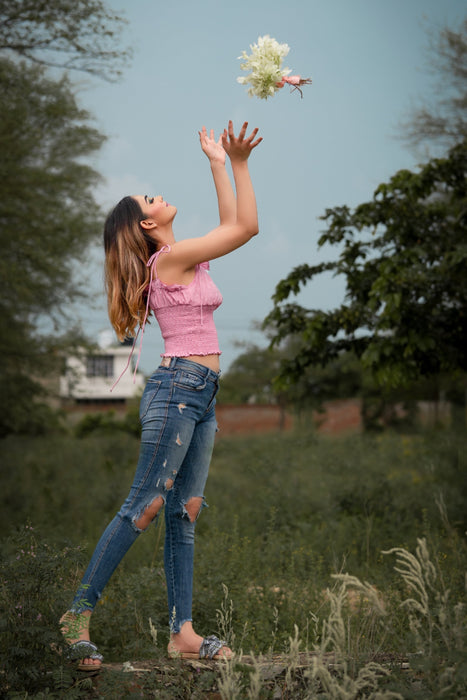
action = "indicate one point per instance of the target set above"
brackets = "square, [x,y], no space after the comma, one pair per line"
[127,250]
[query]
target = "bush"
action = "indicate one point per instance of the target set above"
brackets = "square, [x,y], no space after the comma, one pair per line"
[33,578]
[108,423]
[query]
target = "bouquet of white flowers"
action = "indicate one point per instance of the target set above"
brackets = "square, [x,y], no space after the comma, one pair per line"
[267,75]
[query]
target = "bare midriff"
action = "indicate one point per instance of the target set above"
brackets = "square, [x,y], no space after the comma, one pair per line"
[211,361]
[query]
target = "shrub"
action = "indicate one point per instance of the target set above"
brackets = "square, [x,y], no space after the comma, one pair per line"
[33,577]
[108,423]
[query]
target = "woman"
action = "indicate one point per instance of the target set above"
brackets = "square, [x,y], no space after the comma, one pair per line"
[147,269]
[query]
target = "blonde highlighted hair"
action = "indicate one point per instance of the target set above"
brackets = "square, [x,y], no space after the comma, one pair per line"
[127,250]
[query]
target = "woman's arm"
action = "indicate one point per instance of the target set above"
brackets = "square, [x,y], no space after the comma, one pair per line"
[225,194]
[238,150]
[227,237]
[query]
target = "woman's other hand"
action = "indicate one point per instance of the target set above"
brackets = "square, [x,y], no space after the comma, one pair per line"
[212,148]
[238,147]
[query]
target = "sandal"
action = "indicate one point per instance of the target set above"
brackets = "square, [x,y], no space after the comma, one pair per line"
[80,650]
[210,646]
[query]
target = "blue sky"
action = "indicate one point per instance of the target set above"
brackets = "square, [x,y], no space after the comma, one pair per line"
[368,60]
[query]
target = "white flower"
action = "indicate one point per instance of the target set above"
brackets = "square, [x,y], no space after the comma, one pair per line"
[265,64]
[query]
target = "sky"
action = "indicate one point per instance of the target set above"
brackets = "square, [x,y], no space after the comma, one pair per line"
[368,60]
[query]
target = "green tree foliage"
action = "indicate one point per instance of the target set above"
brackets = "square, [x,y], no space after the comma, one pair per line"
[442,117]
[73,34]
[250,377]
[47,210]
[48,213]
[404,258]
[48,216]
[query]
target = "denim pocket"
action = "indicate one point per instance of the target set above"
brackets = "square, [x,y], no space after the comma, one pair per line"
[152,387]
[190,380]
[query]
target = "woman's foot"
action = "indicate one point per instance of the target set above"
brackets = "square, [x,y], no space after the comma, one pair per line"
[188,644]
[75,628]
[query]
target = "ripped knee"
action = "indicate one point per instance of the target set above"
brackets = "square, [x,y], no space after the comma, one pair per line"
[149,513]
[193,507]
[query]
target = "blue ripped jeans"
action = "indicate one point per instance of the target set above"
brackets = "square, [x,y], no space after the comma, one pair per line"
[177,413]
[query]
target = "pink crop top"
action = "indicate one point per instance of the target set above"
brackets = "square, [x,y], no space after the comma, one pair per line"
[184,313]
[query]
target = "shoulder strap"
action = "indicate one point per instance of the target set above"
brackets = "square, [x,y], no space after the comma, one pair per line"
[153,261]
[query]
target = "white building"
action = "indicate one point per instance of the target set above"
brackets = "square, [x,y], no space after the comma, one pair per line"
[89,377]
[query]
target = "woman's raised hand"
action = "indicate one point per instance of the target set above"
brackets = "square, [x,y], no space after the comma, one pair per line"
[212,148]
[238,147]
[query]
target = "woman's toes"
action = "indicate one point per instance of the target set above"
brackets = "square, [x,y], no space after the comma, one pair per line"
[224,653]
[90,662]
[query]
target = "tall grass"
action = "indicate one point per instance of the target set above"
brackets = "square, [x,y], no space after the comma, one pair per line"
[350,547]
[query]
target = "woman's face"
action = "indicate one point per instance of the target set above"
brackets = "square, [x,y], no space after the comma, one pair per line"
[156,208]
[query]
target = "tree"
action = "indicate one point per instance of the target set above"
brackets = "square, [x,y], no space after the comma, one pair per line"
[48,214]
[404,258]
[47,210]
[79,35]
[442,119]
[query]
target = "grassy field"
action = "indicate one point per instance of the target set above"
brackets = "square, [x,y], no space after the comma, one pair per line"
[351,546]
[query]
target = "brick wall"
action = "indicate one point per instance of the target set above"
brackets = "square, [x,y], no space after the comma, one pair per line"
[246,419]
[338,416]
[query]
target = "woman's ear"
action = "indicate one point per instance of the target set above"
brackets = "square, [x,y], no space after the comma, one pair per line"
[148,224]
